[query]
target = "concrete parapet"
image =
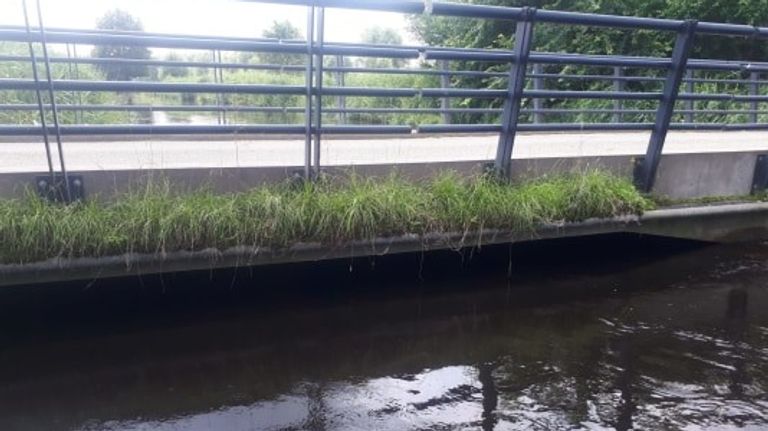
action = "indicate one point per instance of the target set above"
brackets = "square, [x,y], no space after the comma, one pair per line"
[680,176]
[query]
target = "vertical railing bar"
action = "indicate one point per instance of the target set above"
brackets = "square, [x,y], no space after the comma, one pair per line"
[52,96]
[445,82]
[308,94]
[538,103]
[320,18]
[70,72]
[215,71]
[754,90]
[690,87]
[224,96]
[618,86]
[341,101]
[646,174]
[36,77]
[79,118]
[513,101]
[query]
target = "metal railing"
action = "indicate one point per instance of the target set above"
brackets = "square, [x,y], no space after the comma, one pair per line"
[526,79]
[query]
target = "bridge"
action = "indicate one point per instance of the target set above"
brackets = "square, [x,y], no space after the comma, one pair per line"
[660,120]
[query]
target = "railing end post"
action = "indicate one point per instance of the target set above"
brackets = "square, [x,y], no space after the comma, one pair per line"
[679,63]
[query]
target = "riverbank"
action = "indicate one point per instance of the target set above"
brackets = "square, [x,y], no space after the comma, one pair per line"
[156,221]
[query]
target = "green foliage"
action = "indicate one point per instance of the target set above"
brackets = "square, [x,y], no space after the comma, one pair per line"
[117,19]
[266,100]
[174,71]
[294,101]
[282,30]
[382,36]
[9,69]
[588,40]
[462,32]
[329,212]
[392,81]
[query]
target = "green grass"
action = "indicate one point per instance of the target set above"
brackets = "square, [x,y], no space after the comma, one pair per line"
[330,212]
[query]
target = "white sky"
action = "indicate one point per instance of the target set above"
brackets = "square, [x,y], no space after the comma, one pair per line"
[204,17]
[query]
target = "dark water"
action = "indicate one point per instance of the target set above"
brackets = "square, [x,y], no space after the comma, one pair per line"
[609,334]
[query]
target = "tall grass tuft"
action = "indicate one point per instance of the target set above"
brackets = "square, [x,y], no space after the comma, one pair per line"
[155,220]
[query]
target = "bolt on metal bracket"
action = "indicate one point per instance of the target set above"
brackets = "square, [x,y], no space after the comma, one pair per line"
[637,171]
[54,188]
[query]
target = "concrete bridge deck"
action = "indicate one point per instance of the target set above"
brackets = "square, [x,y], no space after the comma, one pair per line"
[159,152]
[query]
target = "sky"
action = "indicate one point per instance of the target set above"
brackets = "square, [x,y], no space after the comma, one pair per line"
[205,17]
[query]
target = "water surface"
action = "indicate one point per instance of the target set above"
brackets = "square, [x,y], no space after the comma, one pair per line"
[614,334]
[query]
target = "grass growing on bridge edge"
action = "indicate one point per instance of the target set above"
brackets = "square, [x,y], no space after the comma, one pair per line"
[156,221]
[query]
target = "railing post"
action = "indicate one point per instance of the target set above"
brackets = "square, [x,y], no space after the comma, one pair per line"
[690,87]
[754,90]
[646,170]
[511,113]
[618,86]
[445,82]
[538,84]
[308,93]
[54,109]
[38,94]
[341,101]
[319,88]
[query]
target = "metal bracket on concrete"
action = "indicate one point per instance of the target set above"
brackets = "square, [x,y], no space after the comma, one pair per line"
[760,177]
[296,178]
[511,113]
[489,168]
[55,188]
[680,53]
[637,169]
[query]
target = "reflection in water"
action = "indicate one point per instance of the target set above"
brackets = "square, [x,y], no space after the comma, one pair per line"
[673,343]
[490,395]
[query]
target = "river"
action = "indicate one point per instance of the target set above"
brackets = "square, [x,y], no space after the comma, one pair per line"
[615,333]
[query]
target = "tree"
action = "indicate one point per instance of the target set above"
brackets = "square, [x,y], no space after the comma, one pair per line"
[117,19]
[282,30]
[382,36]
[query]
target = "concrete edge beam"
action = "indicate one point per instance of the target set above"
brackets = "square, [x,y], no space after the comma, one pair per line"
[680,176]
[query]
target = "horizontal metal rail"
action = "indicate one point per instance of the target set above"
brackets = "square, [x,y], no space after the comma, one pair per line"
[577,127]
[736,66]
[176,87]
[257,109]
[299,110]
[92,37]
[154,87]
[213,129]
[515,14]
